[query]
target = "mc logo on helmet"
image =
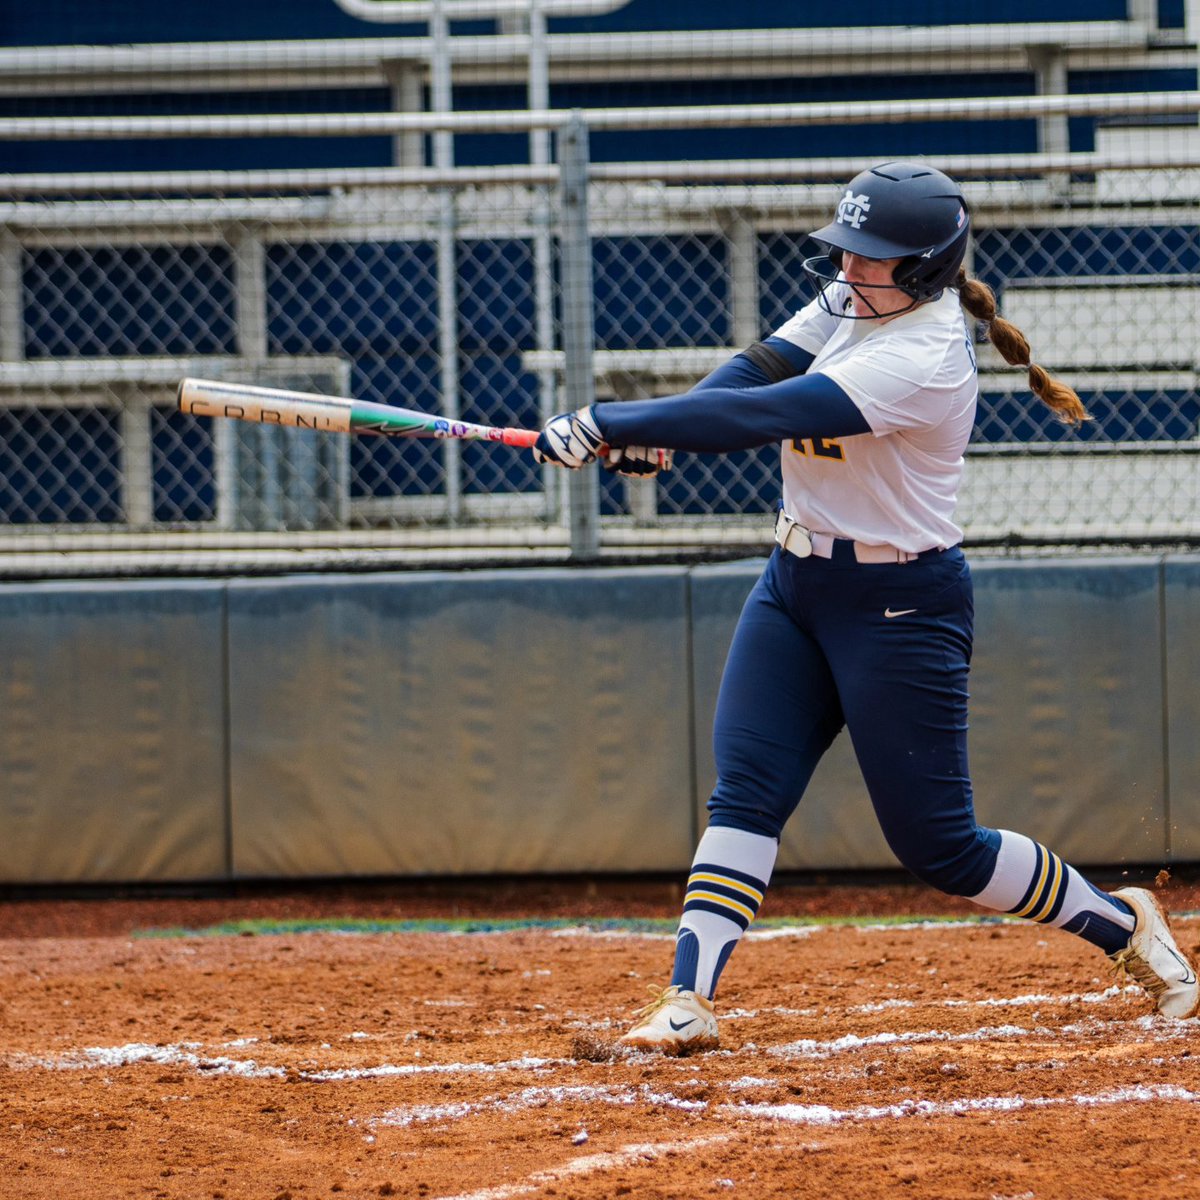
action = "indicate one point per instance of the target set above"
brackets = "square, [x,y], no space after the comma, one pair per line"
[853,209]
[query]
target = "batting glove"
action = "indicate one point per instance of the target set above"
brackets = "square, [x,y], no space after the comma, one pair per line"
[569,440]
[637,462]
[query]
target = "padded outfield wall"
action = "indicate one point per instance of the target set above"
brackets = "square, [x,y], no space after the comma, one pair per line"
[537,721]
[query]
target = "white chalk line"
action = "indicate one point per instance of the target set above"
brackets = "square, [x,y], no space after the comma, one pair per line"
[1151,1027]
[1031,999]
[812,1114]
[627,1095]
[550,1096]
[537,1097]
[590,1164]
[193,1055]
[183,1054]
[809,1048]
[388,1070]
[187,1054]
[806,1114]
[820,1114]
[825,1115]
[1028,1000]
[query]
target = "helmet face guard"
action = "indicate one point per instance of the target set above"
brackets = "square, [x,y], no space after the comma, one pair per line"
[897,210]
[825,271]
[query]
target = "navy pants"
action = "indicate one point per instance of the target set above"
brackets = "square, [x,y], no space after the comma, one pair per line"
[884,651]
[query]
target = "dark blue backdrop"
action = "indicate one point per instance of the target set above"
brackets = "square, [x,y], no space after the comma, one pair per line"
[69,22]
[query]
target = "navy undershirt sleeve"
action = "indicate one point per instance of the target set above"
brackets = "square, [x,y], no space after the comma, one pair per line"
[799,358]
[743,372]
[720,419]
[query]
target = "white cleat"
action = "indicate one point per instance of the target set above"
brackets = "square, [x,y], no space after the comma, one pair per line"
[674,1022]
[1154,959]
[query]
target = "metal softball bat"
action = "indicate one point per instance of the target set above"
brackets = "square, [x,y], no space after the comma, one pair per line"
[331,414]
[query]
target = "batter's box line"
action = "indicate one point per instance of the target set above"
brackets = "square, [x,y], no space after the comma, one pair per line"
[622,1095]
[191,1055]
[808,1048]
[636,1154]
[820,1114]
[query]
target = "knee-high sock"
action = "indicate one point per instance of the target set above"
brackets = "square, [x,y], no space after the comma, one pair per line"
[730,873]
[1032,882]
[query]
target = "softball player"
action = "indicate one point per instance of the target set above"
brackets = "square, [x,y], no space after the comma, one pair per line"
[862,617]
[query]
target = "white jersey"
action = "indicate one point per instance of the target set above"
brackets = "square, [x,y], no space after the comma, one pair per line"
[915,381]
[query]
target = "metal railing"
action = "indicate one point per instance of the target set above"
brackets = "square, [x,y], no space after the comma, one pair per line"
[505,293]
[700,116]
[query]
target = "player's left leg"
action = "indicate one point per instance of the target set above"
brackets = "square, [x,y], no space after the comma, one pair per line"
[1129,925]
[903,685]
[776,714]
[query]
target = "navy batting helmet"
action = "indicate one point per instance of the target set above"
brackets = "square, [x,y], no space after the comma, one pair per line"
[902,210]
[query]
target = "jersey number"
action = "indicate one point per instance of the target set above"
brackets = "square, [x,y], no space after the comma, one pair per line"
[821,447]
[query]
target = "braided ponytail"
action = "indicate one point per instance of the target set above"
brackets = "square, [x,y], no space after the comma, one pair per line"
[980,301]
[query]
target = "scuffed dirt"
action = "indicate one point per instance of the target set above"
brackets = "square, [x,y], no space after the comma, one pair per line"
[932,1061]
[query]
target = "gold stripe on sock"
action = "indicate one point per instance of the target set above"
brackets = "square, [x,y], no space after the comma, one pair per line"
[1056,886]
[726,901]
[725,881]
[1045,892]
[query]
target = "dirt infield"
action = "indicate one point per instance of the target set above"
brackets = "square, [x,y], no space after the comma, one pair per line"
[859,1058]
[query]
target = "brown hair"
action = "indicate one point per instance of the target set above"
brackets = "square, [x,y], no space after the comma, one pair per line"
[980,301]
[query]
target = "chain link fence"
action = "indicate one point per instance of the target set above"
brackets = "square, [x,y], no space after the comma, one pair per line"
[464,296]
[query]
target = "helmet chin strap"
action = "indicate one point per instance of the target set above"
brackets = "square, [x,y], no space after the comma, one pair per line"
[876,315]
[819,270]
[847,313]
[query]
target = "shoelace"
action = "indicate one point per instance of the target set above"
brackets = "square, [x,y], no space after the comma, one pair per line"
[662,997]
[1129,963]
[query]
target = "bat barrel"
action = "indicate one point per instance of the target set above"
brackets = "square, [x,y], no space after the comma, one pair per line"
[267,406]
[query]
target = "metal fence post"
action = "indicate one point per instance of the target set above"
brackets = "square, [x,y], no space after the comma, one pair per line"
[12,298]
[578,324]
[440,96]
[540,155]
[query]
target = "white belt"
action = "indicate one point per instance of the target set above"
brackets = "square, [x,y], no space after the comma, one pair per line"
[801,542]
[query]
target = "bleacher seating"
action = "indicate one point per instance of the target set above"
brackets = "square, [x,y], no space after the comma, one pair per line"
[687,270]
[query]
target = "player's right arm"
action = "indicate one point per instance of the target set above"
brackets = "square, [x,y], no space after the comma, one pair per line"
[729,400]
[769,361]
[722,419]
[713,420]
